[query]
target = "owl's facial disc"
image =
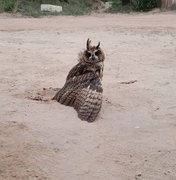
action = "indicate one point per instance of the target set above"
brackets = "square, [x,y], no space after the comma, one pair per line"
[92,56]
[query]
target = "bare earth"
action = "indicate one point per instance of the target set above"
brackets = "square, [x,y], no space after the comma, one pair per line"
[134,136]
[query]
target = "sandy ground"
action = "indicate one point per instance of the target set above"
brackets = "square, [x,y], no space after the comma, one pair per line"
[134,136]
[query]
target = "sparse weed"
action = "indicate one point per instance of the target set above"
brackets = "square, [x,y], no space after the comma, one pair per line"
[32,7]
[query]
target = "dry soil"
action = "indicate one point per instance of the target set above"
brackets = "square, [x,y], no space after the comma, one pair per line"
[134,136]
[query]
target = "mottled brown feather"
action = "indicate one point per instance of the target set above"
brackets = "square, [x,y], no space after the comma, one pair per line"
[83,89]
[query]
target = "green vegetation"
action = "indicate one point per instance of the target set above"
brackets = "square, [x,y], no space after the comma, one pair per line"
[74,7]
[118,7]
[126,6]
[78,7]
[32,7]
[144,5]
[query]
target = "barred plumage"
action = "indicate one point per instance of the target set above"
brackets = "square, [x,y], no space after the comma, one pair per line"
[83,89]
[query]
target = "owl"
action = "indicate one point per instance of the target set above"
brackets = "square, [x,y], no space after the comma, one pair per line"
[83,88]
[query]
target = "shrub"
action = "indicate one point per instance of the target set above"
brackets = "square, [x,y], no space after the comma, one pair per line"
[144,5]
[32,7]
[6,5]
[118,7]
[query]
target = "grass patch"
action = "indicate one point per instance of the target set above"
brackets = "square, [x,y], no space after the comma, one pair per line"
[32,7]
[117,7]
[78,7]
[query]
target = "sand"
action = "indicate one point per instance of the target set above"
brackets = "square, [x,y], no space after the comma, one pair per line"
[134,136]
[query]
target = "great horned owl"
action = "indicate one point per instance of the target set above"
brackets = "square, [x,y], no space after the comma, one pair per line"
[83,89]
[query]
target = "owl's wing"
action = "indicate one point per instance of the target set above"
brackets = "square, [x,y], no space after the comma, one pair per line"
[68,94]
[89,100]
[69,88]
[77,70]
[83,91]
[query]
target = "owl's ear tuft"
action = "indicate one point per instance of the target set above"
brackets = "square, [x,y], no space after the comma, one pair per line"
[88,43]
[98,46]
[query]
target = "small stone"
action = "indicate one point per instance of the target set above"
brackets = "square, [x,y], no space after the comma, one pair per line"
[51,8]
[138,175]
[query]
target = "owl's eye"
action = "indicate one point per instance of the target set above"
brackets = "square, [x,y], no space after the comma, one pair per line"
[97,53]
[88,54]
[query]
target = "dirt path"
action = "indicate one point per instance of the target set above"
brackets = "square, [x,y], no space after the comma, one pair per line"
[134,136]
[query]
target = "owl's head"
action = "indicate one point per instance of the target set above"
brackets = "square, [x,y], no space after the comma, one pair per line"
[92,54]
